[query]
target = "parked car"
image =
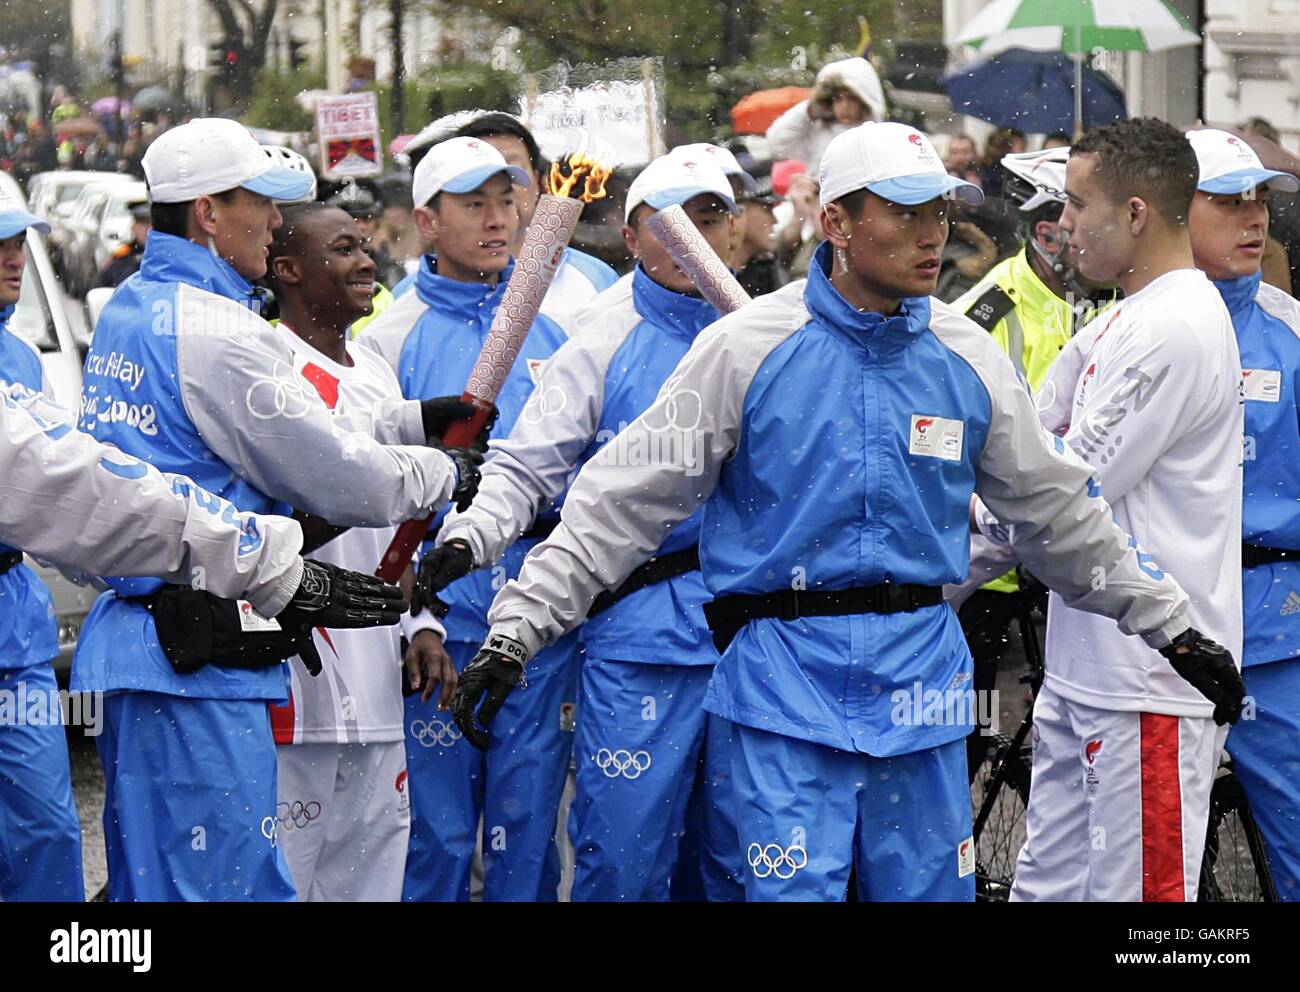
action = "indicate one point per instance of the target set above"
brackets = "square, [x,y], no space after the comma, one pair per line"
[41,318]
[100,220]
[52,195]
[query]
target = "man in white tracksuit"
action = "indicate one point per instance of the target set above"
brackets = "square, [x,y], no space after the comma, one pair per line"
[843,425]
[1124,750]
[344,811]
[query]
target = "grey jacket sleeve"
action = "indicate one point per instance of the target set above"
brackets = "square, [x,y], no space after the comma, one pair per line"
[617,514]
[1058,524]
[67,498]
[532,466]
[270,426]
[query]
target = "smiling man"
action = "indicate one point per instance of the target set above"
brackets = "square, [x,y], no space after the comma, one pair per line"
[340,734]
[843,424]
[464,191]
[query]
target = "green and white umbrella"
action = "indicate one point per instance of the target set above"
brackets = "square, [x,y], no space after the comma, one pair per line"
[1077,27]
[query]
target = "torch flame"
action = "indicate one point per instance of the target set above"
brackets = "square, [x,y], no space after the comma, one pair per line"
[579,167]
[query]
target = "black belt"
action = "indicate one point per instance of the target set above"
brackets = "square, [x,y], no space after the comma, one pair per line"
[727,614]
[655,570]
[1255,554]
[10,559]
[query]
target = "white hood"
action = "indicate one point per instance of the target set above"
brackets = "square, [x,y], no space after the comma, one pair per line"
[858,77]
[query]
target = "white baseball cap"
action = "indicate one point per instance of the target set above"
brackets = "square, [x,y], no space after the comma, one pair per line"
[675,178]
[460,165]
[1229,165]
[892,160]
[724,157]
[211,155]
[15,221]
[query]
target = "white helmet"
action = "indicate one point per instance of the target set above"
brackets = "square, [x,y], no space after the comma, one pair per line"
[287,158]
[1041,175]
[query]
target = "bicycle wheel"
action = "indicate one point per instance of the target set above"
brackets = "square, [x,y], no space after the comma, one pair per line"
[1000,792]
[1234,867]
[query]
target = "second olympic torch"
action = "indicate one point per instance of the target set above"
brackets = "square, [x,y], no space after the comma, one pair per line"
[553,223]
[697,259]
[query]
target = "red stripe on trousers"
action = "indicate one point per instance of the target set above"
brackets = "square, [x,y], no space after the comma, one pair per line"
[1162,811]
[282,720]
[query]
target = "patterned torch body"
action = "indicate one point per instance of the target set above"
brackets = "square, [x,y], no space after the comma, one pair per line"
[543,247]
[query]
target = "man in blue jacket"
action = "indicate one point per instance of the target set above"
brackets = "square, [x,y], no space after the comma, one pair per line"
[844,424]
[464,191]
[185,374]
[645,746]
[40,843]
[579,276]
[1228,223]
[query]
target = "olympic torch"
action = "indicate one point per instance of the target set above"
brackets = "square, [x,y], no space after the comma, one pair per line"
[697,259]
[577,182]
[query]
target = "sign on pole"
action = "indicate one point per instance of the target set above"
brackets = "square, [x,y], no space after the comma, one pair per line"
[618,104]
[348,127]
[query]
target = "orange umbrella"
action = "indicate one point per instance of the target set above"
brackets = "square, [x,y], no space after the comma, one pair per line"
[755,113]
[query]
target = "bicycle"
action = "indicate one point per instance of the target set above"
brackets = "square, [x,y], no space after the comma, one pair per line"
[1234,866]
[1000,785]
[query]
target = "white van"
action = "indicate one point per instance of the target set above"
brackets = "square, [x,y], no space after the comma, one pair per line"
[41,318]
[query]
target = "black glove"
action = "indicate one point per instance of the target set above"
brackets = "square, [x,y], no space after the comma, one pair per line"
[195,628]
[491,672]
[1209,668]
[441,412]
[329,596]
[438,569]
[467,461]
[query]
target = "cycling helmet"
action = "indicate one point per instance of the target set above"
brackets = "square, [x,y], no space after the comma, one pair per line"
[287,158]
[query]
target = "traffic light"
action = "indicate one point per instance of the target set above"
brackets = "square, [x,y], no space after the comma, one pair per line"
[225,54]
[296,57]
[117,71]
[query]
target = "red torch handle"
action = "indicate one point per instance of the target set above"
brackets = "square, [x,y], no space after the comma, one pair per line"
[460,434]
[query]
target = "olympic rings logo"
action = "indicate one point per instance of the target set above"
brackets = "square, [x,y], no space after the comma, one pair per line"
[543,403]
[268,829]
[679,406]
[278,395]
[435,732]
[774,859]
[626,763]
[297,814]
